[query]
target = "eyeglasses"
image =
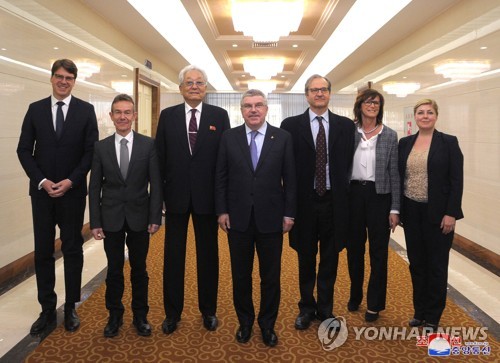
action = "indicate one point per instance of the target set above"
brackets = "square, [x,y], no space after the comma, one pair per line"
[258,106]
[316,90]
[371,102]
[60,77]
[190,84]
[127,113]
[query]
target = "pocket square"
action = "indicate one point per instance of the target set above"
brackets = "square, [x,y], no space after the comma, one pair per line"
[213,128]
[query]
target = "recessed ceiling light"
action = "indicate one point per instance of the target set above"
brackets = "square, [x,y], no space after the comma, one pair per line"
[55,48]
[4,48]
[235,45]
[243,75]
[124,75]
[405,77]
[483,48]
[295,46]
[282,76]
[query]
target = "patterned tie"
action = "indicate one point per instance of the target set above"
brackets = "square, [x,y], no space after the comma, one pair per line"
[124,161]
[59,119]
[193,129]
[253,149]
[321,159]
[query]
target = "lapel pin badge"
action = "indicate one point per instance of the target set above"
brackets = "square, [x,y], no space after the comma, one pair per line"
[213,128]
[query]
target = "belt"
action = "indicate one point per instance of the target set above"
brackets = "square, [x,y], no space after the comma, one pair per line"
[362,182]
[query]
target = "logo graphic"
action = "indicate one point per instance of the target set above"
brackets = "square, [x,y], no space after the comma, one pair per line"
[439,344]
[332,333]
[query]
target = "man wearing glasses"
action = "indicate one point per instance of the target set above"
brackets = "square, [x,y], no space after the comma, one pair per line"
[55,150]
[324,147]
[187,142]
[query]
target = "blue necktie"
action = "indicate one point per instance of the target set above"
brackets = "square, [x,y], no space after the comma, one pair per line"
[253,149]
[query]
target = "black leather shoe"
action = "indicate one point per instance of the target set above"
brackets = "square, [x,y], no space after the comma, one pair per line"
[142,326]
[71,320]
[169,325]
[46,317]
[269,337]
[352,306]
[430,328]
[416,322]
[210,322]
[304,321]
[113,326]
[371,317]
[243,334]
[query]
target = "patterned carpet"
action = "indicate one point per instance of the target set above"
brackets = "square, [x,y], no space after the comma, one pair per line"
[192,343]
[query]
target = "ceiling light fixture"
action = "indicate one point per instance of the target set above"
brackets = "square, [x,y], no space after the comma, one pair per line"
[86,69]
[267,21]
[265,86]
[400,89]
[263,68]
[461,70]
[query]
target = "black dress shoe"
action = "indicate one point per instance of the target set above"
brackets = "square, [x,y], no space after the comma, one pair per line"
[71,320]
[169,325]
[46,317]
[269,337]
[243,334]
[142,326]
[430,328]
[210,322]
[416,322]
[352,306]
[371,317]
[304,320]
[113,326]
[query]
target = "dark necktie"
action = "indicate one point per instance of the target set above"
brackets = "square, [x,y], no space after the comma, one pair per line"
[193,129]
[253,149]
[59,119]
[320,158]
[124,160]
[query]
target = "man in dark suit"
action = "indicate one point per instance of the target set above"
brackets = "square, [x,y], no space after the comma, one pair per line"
[187,141]
[255,201]
[55,149]
[125,200]
[322,199]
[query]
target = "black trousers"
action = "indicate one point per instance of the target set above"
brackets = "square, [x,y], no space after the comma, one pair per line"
[369,215]
[207,262]
[67,213]
[320,225]
[138,247]
[428,252]
[242,247]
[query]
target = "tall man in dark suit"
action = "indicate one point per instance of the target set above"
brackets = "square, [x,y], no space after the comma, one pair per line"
[322,199]
[187,141]
[255,200]
[125,200]
[55,149]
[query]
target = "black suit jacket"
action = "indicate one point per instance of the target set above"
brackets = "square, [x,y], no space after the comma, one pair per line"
[445,172]
[341,152]
[42,155]
[112,199]
[189,177]
[270,190]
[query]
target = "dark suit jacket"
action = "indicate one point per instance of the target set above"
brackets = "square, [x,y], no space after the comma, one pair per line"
[113,199]
[189,177]
[270,189]
[341,152]
[42,155]
[445,172]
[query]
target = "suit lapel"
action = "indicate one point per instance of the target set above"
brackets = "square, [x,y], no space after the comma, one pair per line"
[110,151]
[203,128]
[135,147]
[49,117]
[305,130]
[179,125]
[243,142]
[267,145]
[333,132]
[435,144]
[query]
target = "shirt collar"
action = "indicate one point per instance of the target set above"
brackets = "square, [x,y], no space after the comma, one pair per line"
[261,130]
[129,137]
[312,116]
[54,100]
[188,108]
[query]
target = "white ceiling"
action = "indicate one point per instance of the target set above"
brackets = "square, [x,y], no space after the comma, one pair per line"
[405,49]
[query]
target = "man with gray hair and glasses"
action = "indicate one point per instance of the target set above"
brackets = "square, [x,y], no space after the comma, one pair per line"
[187,142]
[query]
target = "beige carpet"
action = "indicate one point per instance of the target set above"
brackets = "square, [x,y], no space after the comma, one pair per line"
[192,343]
